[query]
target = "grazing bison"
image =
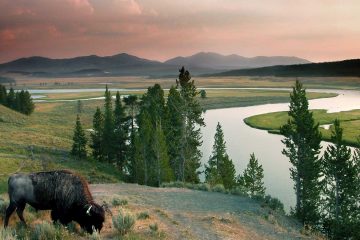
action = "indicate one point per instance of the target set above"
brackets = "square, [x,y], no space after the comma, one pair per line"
[64,193]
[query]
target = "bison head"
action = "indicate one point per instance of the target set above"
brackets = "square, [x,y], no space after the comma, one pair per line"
[95,217]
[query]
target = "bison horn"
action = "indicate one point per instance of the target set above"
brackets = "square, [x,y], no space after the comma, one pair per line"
[88,211]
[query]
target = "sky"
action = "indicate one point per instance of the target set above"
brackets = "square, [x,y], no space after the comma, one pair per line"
[321,30]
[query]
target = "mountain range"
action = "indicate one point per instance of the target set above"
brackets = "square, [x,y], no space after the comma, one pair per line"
[125,64]
[346,68]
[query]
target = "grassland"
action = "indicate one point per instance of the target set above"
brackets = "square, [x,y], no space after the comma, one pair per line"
[144,82]
[350,122]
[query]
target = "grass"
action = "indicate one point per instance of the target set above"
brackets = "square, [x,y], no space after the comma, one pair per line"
[46,137]
[350,122]
[144,82]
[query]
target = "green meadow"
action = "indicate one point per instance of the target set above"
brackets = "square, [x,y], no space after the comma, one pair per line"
[350,122]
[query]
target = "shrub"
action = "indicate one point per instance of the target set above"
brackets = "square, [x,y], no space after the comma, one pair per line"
[154,227]
[44,231]
[119,202]
[176,184]
[123,223]
[94,236]
[239,191]
[143,215]
[219,188]
[203,187]
[7,234]
[273,203]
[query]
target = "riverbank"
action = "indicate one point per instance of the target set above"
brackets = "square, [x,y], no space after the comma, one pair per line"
[350,122]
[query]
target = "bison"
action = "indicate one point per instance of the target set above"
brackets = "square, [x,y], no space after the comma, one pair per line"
[65,193]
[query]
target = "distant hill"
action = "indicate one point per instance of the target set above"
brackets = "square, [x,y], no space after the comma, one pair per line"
[218,61]
[128,65]
[349,68]
[120,64]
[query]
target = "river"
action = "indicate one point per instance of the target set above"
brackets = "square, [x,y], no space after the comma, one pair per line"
[242,140]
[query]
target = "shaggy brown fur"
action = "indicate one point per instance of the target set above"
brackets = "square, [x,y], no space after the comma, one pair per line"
[64,192]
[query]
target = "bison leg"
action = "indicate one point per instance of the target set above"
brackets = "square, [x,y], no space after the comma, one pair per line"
[20,210]
[54,216]
[11,208]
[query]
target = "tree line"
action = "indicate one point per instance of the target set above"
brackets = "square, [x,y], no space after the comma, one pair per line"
[152,141]
[20,101]
[327,187]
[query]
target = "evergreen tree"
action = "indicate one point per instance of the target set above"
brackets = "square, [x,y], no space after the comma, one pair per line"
[131,102]
[143,157]
[340,187]
[79,107]
[192,120]
[10,99]
[173,130]
[220,169]
[108,138]
[252,178]
[3,95]
[79,140]
[97,135]
[120,125]
[302,142]
[164,172]
[29,106]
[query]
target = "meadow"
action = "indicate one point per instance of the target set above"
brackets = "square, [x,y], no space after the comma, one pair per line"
[350,122]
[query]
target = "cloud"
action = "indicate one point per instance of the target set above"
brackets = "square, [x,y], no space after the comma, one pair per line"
[160,29]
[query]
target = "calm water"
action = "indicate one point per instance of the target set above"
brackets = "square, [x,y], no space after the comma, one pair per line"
[243,140]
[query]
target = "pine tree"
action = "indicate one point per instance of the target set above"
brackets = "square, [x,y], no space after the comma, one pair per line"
[10,99]
[108,138]
[302,142]
[143,149]
[131,102]
[220,169]
[252,178]
[340,187]
[173,130]
[27,105]
[79,141]
[164,172]
[120,125]
[79,107]
[3,95]
[192,120]
[97,135]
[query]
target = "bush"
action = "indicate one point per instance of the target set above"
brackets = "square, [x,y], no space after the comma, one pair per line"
[203,187]
[154,227]
[273,203]
[219,188]
[176,184]
[143,215]
[44,231]
[7,234]
[239,191]
[123,223]
[119,202]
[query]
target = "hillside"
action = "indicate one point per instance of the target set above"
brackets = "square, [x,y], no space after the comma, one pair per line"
[348,68]
[218,61]
[186,214]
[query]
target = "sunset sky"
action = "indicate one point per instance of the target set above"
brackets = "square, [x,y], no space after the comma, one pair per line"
[321,30]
